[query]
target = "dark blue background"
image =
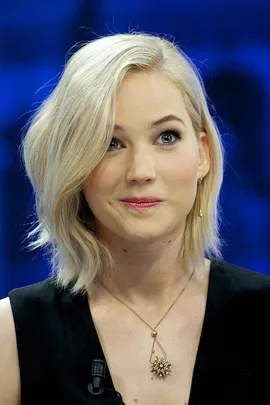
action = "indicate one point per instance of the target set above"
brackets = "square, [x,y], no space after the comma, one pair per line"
[230,43]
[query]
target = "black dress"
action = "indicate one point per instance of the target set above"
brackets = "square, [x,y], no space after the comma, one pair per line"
[57,343]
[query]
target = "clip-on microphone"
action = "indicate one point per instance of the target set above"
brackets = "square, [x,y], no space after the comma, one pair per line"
[98,372]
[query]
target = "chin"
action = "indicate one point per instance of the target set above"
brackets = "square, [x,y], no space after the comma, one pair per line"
[146,237]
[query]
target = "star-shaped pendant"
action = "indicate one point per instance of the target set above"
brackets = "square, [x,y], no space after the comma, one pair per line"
[161,367]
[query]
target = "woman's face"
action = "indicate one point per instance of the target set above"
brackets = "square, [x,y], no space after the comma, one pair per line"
[154,152]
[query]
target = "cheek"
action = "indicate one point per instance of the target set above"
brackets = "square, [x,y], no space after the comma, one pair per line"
[99,183]
[182,167]
[181,180]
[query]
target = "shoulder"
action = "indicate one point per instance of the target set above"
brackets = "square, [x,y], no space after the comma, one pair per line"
[43,303]
[27,302]
[239,278]
[9,367]
[36,296]
[240,289]
[39,291]
[30,305]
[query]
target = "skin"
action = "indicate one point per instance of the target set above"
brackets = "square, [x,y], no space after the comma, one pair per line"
[143,161]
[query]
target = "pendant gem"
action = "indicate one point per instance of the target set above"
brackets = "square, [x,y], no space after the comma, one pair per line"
[161,367]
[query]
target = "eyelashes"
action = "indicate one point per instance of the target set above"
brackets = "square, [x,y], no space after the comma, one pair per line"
[169,133]
[174,133]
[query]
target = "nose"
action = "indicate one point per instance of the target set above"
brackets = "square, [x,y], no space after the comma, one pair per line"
[140,166]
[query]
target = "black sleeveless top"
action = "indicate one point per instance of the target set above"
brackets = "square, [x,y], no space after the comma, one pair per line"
[57,343]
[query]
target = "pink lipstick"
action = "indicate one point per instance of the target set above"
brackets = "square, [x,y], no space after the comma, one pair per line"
[141,204]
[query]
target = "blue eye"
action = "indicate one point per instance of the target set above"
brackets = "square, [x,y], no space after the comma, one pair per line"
[168,135]
[112,141]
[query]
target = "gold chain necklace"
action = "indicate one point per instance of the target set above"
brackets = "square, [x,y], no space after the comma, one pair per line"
[160,367]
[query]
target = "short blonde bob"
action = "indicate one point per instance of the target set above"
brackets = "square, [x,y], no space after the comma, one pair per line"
[70,133]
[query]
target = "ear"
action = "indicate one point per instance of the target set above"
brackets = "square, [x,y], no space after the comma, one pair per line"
[204,155]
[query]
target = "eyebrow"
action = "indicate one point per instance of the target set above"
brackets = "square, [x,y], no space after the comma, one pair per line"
[154,124]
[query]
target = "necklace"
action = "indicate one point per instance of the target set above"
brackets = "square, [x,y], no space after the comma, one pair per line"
[160,367]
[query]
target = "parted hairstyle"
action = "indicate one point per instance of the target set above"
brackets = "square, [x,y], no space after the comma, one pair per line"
[69,134]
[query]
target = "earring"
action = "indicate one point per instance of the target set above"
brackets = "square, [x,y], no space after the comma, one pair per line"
[200,213]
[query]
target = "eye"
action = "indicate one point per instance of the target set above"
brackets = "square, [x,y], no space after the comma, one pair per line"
[169,135]
[113,141]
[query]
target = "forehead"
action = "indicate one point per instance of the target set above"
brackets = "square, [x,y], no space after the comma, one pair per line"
[148,94]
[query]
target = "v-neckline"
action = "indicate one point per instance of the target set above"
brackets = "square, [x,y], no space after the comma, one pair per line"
[210,309]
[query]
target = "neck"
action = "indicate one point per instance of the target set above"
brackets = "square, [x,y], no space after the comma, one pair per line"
[149,275]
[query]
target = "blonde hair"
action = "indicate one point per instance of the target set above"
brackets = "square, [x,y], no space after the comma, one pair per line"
[70,133]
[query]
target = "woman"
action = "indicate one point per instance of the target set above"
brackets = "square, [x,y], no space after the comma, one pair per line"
[126,163]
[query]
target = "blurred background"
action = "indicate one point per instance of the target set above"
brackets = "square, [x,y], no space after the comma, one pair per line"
[228,40]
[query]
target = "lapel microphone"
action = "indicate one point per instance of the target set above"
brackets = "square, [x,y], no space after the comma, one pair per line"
[98,371]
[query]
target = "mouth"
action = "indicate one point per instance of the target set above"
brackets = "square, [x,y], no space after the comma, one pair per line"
[141,206]
[141,200]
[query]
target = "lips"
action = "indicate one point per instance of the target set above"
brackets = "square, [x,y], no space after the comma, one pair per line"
[146,205]
[142,200]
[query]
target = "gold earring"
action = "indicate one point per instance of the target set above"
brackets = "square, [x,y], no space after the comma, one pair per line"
[200,213]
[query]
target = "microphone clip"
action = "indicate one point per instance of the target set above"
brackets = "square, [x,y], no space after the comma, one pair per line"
[98,371]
